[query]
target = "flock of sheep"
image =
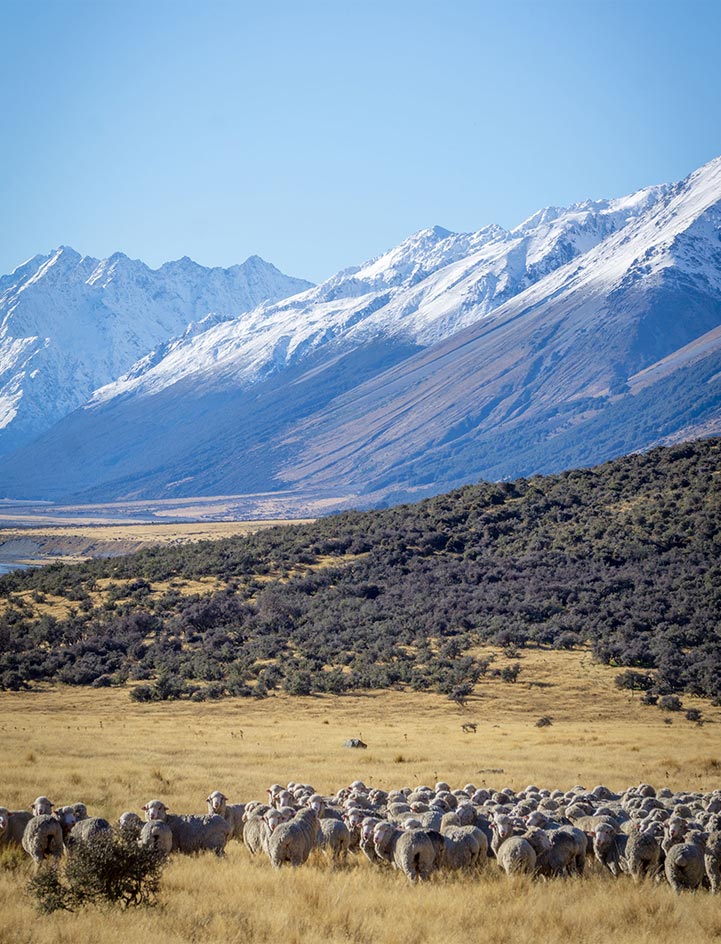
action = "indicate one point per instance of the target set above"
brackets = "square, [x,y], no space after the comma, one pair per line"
[642,832]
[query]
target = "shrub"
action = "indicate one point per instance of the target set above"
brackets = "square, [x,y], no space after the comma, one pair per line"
[637,681]
[107,868]
[670,703]
[693,714]
[648,698]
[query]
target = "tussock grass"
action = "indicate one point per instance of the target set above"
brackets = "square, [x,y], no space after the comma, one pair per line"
[96,746]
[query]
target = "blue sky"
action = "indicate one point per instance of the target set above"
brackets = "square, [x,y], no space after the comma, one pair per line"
[320,134]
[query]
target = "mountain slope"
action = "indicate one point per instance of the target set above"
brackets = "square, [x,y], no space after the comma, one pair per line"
[71,323]
[580,335]
[575,369]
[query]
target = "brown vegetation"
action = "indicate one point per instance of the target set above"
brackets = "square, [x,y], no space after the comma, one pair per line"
[96,746]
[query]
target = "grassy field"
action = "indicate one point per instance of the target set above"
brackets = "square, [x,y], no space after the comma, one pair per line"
[97,746]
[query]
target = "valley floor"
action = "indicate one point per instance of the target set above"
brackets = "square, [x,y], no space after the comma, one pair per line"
[99,747]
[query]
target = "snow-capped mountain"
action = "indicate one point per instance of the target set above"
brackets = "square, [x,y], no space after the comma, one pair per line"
[71,323]
[422,291]
[583,333]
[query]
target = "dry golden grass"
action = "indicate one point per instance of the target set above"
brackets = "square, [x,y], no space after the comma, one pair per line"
[97,746]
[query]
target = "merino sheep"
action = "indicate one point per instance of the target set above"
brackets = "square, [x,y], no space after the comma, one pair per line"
[411,851]
[130,824]
[65,815]
[12,826]
[515,854]
[87,828]
[555,850]
[231,812]
[156,835]
[333,837]
[255,828]
[292,841]
[464,847]
[712,859]
[191,833]
[43,838]
[684,866]
[642,856]
[42,806]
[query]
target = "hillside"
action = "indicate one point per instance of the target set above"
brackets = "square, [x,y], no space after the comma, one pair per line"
[624,557]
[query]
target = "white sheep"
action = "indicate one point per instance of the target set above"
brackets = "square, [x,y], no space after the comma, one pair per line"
[130,824]
[231,812]
[191,833]
[515,854]
[156,835]
[12,826]
[86,829]
[43,838]
[411,851]
[684,865]
[292,841]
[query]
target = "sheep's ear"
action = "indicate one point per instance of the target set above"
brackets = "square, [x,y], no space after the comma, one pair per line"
[144,808]
[207,800]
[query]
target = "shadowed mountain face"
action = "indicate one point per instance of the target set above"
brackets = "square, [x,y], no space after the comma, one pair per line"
[581,335]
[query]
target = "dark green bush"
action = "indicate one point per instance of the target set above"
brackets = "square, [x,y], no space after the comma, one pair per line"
[108,868]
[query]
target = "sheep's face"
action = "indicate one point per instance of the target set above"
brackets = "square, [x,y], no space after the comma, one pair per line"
[675,829]
[155,810]
[603,837]
[381,833]
[354,818]
[66,816]
[216,802]
[316,804]
[536,819]
[273,818]
[4,819]
[503,826]
[368,826]
[42,807]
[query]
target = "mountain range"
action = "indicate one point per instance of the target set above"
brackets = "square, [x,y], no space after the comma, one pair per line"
[585,333]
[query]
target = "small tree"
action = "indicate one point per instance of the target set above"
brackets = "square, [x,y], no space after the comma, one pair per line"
[108,867]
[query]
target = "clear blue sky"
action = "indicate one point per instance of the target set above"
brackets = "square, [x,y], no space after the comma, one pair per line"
[319,134]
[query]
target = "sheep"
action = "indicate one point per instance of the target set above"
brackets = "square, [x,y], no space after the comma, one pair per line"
[254,828]
[411,851]
[515,854]
[464,847]
[642,855]
[156,835]
[712,859]
[42,806]
[556,851]
[130,824]
[365,843]
[43,838]
[609,847]
[684,865]
[231,812]
[87,828]
[191,833]
[293,841]
[12,826]
[333,837]
[65,815]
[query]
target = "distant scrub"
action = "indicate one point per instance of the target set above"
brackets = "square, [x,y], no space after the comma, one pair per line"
[626,557]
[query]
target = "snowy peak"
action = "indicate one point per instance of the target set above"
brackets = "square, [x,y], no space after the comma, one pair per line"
[70,324]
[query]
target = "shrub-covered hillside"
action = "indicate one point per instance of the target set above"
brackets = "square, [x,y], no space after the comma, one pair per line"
[625,557]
